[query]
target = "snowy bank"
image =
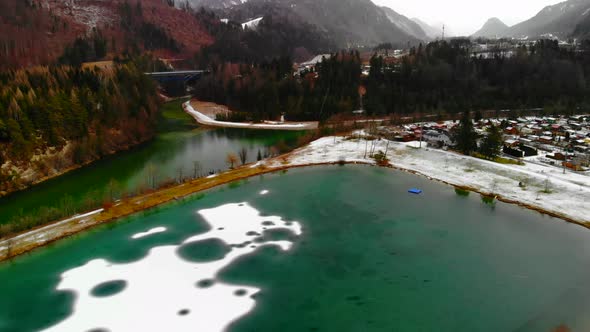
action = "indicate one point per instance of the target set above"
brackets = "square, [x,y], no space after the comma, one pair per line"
[205,120]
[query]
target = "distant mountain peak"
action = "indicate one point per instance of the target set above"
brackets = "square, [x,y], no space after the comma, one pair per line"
[493,27]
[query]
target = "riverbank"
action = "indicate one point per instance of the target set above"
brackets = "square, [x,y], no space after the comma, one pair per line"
[205,120]
[564,199]
[42,168]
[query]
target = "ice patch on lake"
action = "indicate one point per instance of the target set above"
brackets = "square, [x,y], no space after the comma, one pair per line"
[164,292]
[148,233]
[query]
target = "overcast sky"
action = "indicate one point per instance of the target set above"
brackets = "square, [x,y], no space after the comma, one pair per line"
[464,17]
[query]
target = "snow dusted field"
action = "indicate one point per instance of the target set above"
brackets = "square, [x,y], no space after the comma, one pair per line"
[205,120]
[569,193]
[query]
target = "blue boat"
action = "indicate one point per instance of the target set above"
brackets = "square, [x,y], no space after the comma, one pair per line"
[415,191]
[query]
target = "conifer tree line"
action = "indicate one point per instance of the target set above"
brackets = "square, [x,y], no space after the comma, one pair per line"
[267,89]
[95,111]
[444,77]
[439,78]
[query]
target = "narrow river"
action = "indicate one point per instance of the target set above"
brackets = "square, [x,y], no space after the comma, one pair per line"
[179,144]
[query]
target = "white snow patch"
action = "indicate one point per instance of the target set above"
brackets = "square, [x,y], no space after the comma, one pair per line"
[252,24]
[162,285]
[148,233]
[205,120]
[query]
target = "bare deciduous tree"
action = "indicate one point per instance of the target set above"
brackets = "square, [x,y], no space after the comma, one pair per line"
[196,168]
[112,188]
[231,160]
[152,174]
[243,153]
[180,174]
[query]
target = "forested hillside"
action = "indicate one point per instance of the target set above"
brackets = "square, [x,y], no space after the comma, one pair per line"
[36,32]
[276,35]
[53,118]
[32,35]
[444,77]
[265,91]
[348,23]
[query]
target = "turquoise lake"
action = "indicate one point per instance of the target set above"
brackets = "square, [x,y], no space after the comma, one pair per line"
[338,248]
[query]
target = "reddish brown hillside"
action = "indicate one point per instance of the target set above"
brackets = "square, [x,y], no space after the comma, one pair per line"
[32,35]
[187,30]
[37,31]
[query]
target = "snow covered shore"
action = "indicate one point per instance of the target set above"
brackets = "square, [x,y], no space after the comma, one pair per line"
[567,195]
[205,120]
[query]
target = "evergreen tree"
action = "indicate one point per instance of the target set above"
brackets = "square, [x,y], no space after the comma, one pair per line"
[466,136]
[491,144]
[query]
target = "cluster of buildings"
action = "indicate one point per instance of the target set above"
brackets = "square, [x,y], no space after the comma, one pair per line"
[489,48]
[561,141]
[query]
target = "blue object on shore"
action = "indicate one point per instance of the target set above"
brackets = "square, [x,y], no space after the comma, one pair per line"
[415,191]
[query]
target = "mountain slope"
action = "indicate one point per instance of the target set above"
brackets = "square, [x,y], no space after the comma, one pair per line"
[492,28]
[582,30]
[559,20]
[216,4]
[405,24]
[349,23]
[30,35]
[431,32]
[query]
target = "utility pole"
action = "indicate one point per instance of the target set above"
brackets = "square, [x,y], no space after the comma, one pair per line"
[443,33]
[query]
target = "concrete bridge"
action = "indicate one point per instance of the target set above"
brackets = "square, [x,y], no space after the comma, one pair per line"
[175,83]
[177,76]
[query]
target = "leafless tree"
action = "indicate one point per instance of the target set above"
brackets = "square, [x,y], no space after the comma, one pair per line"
[112,187]
[196,168]
[231,160]
[179,172]
[243,153]
[152,174]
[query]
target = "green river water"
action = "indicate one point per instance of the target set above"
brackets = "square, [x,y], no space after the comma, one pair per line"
[178,144]
[370,257]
